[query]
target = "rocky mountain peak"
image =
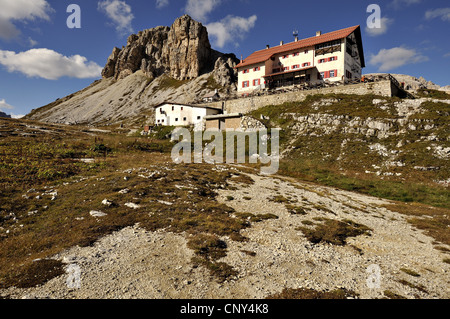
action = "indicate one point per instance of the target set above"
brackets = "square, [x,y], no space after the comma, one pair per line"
[3,114]
[182,51]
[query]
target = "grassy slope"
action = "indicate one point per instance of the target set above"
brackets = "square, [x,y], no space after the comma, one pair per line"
[47,195]
[320,157]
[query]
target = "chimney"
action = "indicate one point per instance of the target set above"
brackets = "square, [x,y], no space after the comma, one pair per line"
[281,43]
[318,33]
[267,47]
[296,39]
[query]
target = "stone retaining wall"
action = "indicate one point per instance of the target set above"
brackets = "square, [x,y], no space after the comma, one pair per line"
[248,104]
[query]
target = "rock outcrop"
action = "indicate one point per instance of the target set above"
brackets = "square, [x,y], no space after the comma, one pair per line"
[182,51]
[413,83]
[4,115]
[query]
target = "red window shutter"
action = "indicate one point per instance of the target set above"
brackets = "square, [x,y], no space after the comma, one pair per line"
[335,73]
[327,74]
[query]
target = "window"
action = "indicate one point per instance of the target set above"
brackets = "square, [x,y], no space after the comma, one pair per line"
[322,60]
[296,54]
[297,66]
[348,74]
[276,70]
[198,117]
[245,84]
[246,71]
[306,51]
[333,58]
[285,56]
[257,69]
[286,68]
[162,121]
[256,82]
[184,119]
[176,119]
[173,108]
[333,73]
[306,64]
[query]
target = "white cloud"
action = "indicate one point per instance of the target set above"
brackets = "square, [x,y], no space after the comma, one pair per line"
[385,24]
[25,9]
[402,3]
[21,10]
[120,13]
[32,42]
[443,13]
[48,64]
[199,9]
[447,55]
[7,29]
[230,28]
[388,59]
[162,3]
[4,105]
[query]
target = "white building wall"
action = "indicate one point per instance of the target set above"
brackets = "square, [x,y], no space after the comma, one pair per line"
[181,115]
[255,72]
[338,65]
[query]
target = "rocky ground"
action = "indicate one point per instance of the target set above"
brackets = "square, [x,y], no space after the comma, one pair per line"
[135,263]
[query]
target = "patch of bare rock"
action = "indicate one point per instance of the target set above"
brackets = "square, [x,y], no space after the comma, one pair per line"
[134,264]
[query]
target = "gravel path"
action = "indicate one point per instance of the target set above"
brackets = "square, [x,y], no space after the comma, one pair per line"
[134,263]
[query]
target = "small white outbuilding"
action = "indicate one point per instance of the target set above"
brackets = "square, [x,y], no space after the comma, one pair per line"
[176,114]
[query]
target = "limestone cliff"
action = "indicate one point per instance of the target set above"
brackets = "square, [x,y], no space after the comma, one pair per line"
[182,51]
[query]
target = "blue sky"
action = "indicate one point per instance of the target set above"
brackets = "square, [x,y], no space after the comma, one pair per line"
[41,59]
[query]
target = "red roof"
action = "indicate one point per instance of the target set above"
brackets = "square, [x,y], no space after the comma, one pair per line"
[266,54]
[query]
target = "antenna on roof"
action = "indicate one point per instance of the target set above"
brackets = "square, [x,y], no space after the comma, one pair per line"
[295,34]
